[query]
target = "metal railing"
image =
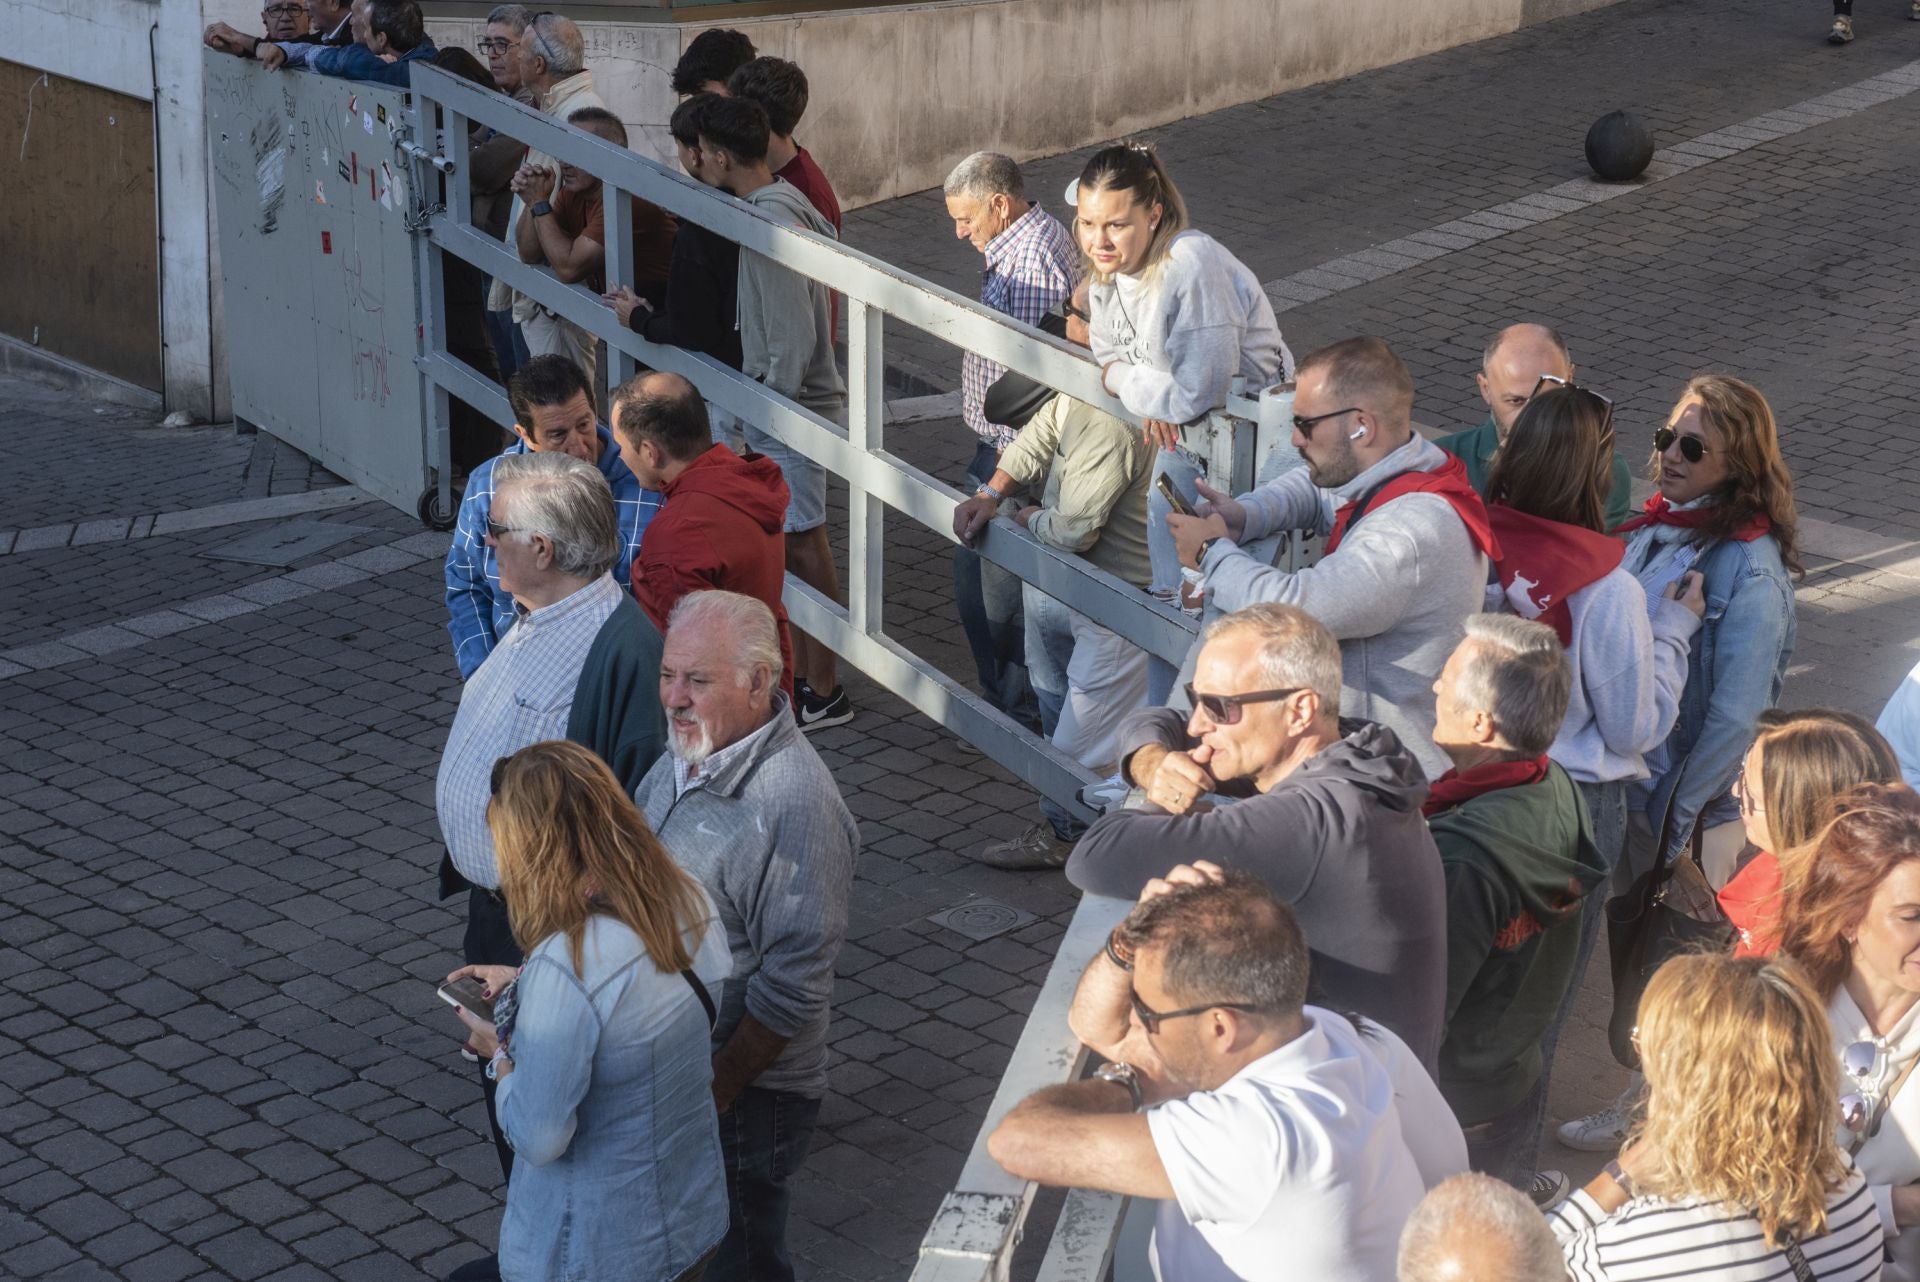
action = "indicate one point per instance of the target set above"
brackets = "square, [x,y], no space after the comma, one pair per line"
[979,1224]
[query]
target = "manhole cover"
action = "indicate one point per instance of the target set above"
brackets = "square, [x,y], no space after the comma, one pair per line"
[980,919]
[281,545]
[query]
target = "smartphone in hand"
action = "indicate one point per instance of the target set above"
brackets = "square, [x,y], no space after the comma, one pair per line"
[468,993]
[1172,495]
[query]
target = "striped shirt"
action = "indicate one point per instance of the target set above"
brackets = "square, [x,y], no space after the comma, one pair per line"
[1653,1238]
[520,695]
[1032,266]
[479,612]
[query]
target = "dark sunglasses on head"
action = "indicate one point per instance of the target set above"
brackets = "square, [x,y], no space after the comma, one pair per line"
[1151,1019]
[1692,448]
[1224,709]
[1550,381]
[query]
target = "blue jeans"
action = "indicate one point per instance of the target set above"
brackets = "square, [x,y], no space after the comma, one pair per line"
[1607,805]
[987,599]
[1183,467]
[764,1137]
[1049,650]
[509,344]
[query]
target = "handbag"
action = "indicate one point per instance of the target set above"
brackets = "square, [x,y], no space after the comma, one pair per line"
[1667,911]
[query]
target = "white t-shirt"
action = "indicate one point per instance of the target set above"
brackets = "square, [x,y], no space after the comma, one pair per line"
[1296,1168]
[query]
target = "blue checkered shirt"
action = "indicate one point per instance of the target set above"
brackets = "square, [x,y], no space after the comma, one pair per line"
[478,611]
[1032,266]
[522,694]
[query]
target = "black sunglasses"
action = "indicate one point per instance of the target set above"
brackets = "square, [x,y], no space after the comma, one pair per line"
[1548,381]
[1224,709]
[1069,309]
[498,531]
[493,780]
[1305,426]
[1151,1019]
[1692,448]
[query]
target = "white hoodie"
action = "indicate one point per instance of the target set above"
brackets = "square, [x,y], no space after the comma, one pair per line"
[1893,1156]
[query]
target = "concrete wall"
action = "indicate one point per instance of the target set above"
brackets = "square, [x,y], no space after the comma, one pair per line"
[902,92]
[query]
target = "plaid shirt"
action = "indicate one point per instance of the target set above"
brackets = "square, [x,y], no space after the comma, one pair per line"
[1032,267]
[522,694]
[478,611]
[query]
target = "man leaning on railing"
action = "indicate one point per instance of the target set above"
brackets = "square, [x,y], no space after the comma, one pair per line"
[1267,1128]
[389,36]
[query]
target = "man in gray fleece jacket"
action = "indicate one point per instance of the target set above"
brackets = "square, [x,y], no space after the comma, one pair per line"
[786,342]
[1330,816]
[1407,538]
[745,804]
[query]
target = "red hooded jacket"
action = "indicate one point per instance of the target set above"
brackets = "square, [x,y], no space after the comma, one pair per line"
[719,526]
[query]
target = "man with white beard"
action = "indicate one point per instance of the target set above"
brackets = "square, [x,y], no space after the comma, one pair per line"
[745,804]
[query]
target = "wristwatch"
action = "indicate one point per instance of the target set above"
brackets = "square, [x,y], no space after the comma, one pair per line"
[1619,1176]
[1121,1075]
[987,491]
[540,208]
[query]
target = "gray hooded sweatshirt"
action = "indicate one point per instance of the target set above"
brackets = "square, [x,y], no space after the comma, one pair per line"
[1397,594]
[786,325]
[1341,839]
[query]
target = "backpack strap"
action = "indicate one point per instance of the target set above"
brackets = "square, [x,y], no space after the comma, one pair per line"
[706,998]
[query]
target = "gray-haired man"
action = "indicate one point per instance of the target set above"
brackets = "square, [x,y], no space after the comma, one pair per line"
[577,664]
[1031,268]
[746,805]
[1475,1229]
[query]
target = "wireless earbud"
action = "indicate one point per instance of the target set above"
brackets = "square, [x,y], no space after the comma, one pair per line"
[1356,433]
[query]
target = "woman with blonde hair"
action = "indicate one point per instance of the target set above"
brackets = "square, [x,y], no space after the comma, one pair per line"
[1173,318]
[1734,1172]
[1723,510]
[1790,787]
[602,1051]
[1852,919]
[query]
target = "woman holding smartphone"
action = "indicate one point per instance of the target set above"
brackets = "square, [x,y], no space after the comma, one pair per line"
[603,1058]
[1173,318]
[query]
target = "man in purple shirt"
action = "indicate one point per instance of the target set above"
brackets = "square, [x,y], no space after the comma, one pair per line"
[1031,267]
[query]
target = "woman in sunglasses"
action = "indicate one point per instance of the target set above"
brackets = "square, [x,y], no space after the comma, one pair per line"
[1173,318]
[604,1068]
[1853,921]
[1733,1173]
[1794,782]
[1723,509]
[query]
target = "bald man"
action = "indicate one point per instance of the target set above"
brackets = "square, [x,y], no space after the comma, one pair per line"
[1515,361]
[1473,1228]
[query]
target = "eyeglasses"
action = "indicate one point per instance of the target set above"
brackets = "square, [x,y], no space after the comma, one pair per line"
[1224,709]
[1860,1109]
[1692,448]
[493,45]
[1744,793]
[1151,1019]
[1548,381]
[497,531]
[1068,308]
[284,10]
[1305,426]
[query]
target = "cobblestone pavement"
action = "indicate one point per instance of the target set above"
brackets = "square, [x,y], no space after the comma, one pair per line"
[220,1055]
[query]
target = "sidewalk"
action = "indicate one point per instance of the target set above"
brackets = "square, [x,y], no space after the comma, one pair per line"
[220,1052]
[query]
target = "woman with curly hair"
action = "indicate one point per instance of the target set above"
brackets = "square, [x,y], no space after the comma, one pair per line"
[604,1068]
[1734,1172]
[1853,921]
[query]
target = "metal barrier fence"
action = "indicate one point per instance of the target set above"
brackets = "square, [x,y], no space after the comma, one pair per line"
[979,1224]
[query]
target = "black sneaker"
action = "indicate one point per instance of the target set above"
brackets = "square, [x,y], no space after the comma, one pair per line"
[1037,848]
[814,712]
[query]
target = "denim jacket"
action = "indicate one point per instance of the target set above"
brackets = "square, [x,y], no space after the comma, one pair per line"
[609,1109]
[1734,673]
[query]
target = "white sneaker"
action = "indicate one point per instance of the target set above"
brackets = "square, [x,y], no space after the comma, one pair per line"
[1550,1189]
[1601,1132]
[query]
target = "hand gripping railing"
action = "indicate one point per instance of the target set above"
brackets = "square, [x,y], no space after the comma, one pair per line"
[978,1225]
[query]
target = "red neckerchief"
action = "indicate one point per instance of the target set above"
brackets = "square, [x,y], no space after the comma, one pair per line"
[1660,512]
[1449,481]
[1543,562]
[1452,788]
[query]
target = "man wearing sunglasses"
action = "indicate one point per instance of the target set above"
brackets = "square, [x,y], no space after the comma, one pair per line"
[1518,361]
[1280,1139]
[1407,539]
[1330,819]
